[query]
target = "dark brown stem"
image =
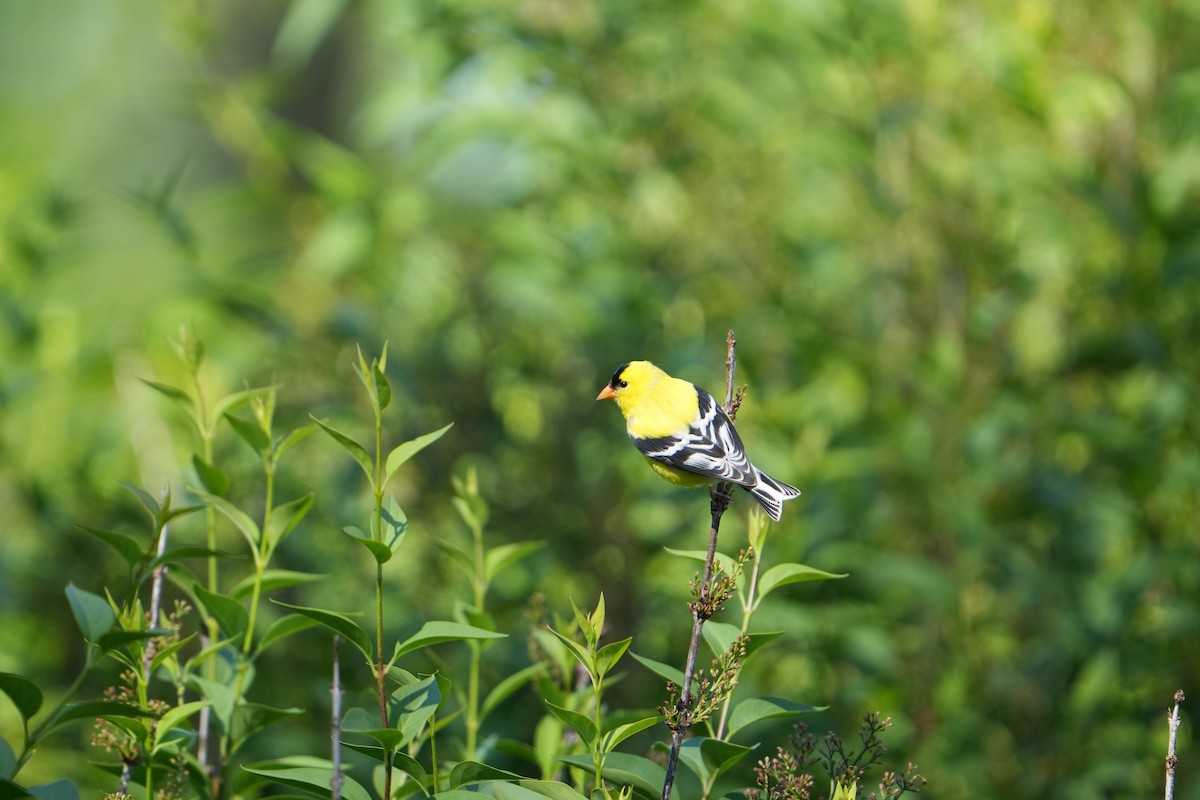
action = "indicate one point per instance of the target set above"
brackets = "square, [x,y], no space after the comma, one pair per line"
[702,608]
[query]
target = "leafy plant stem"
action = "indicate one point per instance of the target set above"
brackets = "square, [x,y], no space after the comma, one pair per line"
[46,724]
[720,497]
[749,606]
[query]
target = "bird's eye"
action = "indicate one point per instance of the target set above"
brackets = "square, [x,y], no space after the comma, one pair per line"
[622,384]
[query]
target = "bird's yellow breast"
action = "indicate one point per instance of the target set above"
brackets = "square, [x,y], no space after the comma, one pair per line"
[658,405]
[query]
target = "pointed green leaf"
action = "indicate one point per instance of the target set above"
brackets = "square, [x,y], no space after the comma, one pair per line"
[61,789]
[115,639]
[582,723]
[23,693]
[783,574]
[246,526]
[282,628]
[412,706]
[175,716]
[177,395]
[91,709]
[340,624]
[8,759]
[273,579]
[756,709]
[709,758]
[92,613]
[720,635]
[383,389]
[210,477]
[145,498]
[461,557]
[230,614]
[231,401]
[395,524]
[166,653]
[727,564]
[403,452]
[501,558]
[250,718]
[536,789]
[353,448]
[219,695]
[608,656]
[510,685]
[468,772]
[309,779]
[287,442]
[432,633]
[126,546]
[643,775]
[379,551]
[622,732]
[579,651]
[664,671]
[250,432]
[285,518]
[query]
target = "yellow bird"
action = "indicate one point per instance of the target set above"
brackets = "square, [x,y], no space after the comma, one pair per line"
[685,434]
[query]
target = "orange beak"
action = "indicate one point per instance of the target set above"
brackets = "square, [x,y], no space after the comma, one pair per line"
[606,393]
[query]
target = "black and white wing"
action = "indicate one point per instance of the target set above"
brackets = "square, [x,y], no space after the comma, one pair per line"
[710,446]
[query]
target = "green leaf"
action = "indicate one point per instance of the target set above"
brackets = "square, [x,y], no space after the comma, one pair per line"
[501,558]
[62,789]
[212,479]
[436,632]
[582,723]
[282,628]
[710,758]
[92,613]
[8,759]
[23,693]
[756,709]
[311,779]
[783,574]
[379,551]
[230,614]
[403,452]
[146,500]
[340,624]
[720,635]
[177,395]
[285,518]
[250,718]
[175,554]
[383,389]
[232,401]
[220,695]
[727,564]
[287,442]
[622,732]
[175,716]
[12,791]
[246,526]
[395,523]
[579,651]
[643,775]
[608,656]
[353,448]
[165,654]
[412,706]
[115,639]
[461,558]
[536,789]
[273,579]
[126,546]
[91,709]
[510,685]
[460,794]
[468,772]
[250,432]
[664,671]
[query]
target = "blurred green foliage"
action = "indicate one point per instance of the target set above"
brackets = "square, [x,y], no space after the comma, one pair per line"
[959,244]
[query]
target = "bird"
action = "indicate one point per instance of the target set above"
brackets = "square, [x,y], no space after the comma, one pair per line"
[686,435]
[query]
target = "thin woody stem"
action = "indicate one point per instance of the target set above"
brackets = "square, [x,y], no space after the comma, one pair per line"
[1172,760]
[701,608]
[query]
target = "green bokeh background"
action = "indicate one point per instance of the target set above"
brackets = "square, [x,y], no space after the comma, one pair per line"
[959,244]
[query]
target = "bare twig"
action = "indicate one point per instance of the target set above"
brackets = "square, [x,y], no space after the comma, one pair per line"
[702,607]
[1172,760]
[335,724]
